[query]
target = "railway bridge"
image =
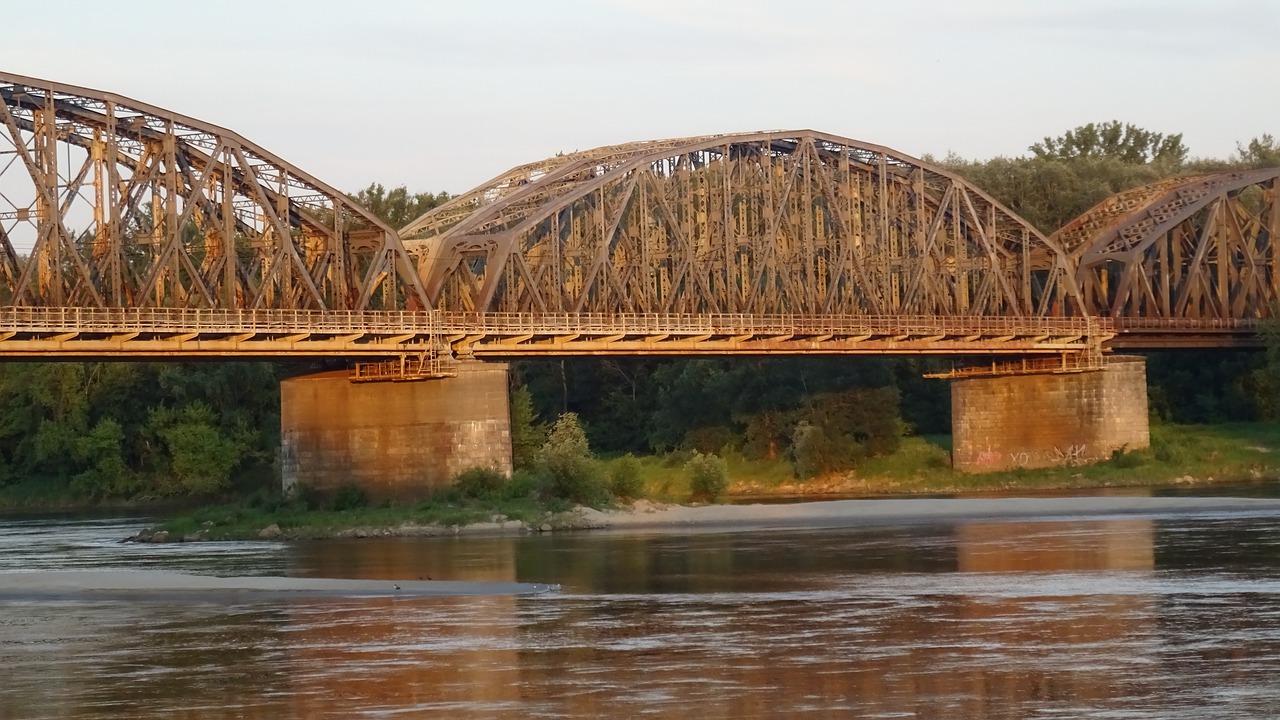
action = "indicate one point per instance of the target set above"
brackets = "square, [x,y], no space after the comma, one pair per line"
[129,231]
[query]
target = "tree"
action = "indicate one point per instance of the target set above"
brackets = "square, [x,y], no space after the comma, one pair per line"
[1049,192]
[397,207]
[527,434]
[1124,142]
[1260,152]
[201,457]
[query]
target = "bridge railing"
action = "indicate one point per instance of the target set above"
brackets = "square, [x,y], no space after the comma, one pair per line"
[70,319]
[1125,324]
[657,323]
[124,320]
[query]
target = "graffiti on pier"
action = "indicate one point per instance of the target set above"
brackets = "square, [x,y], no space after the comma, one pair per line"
[986,458]
[1071,455]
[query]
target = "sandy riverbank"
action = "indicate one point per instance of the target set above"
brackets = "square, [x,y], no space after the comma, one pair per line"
[646,517]
[853,513]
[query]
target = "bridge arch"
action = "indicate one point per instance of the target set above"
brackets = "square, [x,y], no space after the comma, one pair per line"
[787,222]
[1199,248]
[110,202]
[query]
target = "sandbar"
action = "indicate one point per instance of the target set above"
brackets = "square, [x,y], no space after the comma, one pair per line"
[155,584]
[855,513]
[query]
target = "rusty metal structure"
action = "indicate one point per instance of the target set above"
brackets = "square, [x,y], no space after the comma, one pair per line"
[1183,261]
[794,222]
[106,202]
[130,231]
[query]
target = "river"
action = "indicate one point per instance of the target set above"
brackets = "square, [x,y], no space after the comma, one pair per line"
[1078,617]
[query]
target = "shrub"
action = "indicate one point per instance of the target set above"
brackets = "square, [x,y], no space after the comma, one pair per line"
[708,439]
[624,479]
[708,477]
[565,460]
[349,497]
[814,452]
[524,485]
[576,479]
[478,482]
[1170,453]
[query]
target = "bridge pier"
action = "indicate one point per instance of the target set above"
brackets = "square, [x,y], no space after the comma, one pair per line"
[394,440]
[1045,420]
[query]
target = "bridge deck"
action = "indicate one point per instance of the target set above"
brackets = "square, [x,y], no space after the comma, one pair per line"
[175,333]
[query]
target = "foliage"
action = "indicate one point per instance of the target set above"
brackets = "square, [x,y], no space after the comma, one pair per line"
[397,207]
[112,431]
[349,497]
[571,472]
[1267,374]
[201,455]
[1121,141]
[1260,152]
[835,430]
[1211,386]
[1050,192]
[479,482]
[105,473]
[624,478]
[527,434]
[708,477]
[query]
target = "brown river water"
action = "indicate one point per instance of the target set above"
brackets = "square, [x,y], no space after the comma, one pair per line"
[1161,616]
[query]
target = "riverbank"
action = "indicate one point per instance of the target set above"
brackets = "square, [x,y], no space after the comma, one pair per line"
[644,516]
[1180,456]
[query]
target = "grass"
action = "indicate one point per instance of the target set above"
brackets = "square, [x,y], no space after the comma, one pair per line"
[1238,452]
[245,519]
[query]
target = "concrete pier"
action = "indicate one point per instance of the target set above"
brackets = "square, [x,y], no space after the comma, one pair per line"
[1012,421]
[395,440]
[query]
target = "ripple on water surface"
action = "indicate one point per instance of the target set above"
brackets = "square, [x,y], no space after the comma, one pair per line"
[1095,618]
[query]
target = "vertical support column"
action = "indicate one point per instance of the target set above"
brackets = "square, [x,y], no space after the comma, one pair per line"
[394,440]
[1047,420]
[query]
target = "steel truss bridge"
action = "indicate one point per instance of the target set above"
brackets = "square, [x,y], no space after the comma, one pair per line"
[127,230]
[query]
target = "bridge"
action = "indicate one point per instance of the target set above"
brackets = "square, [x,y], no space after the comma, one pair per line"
[127,230]
[130,231]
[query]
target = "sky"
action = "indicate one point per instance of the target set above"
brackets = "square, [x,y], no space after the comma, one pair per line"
[440,96]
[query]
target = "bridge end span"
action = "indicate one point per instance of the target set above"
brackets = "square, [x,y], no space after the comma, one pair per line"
[1049,419]
[393,440]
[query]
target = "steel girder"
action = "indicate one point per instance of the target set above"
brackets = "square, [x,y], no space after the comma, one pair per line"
[796,222]
[1189,248]
[109,202]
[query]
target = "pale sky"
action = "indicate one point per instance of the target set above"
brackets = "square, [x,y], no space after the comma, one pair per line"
[444,95]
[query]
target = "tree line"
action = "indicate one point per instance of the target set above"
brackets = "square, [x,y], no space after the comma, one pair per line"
[106,430]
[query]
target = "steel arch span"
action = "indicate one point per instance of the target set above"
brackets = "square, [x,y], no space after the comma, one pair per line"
[106,202]
[1199,250]
[788,222]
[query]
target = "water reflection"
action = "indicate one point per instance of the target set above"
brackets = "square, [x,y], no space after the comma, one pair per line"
[1071,618]
[378,653]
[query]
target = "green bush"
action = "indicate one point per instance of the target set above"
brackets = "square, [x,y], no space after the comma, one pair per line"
[576,479]
[479,482]
[524,485]
[1120,458]
[1167,452]
[349,497]
[566,463]
[708,477]
[624,478]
